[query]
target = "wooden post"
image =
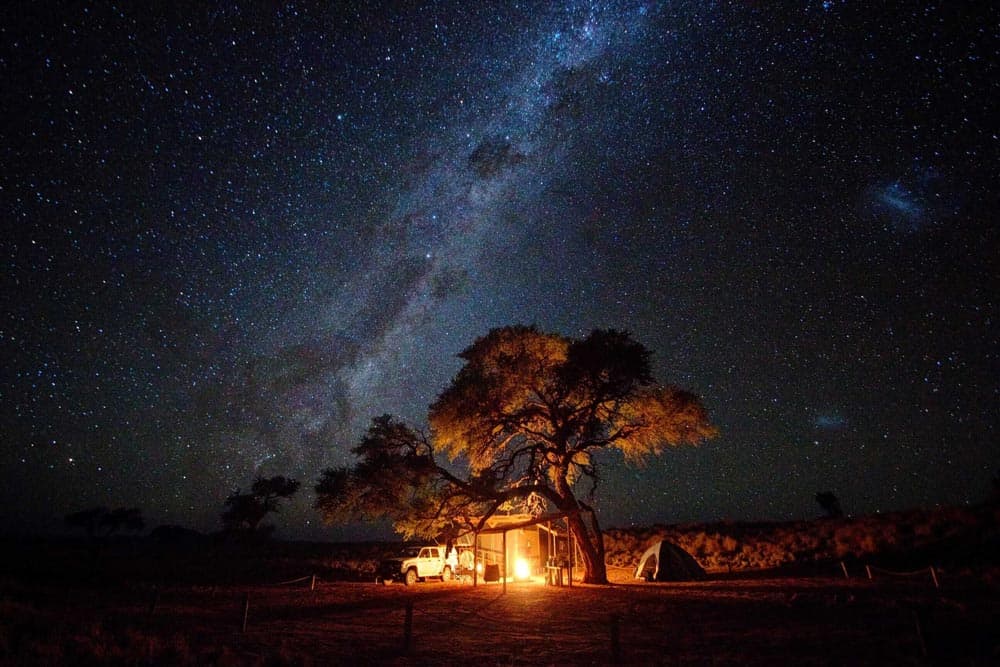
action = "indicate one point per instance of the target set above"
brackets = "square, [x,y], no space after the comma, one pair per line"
[920,633]
[312,583]
[868,569]
[937,584]
[246,610]
[475,560]
[843,566]
[553,545]
[408,627]
[156,601]
[616,649]
[506,565]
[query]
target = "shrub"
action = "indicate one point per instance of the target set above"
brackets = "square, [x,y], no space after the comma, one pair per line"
[727,545]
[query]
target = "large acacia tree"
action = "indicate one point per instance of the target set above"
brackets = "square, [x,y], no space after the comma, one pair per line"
[520,423]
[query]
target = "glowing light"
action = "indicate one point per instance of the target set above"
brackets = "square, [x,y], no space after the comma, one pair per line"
[521,569]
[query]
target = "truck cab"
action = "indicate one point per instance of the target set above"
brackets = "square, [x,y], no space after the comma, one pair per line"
[414,564]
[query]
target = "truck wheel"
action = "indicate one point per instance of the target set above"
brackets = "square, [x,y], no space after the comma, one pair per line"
[411,577]
[446,573]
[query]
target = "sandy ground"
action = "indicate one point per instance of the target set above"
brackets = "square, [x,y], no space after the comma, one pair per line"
[812,621]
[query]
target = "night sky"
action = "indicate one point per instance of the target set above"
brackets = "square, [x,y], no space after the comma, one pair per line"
[233,235]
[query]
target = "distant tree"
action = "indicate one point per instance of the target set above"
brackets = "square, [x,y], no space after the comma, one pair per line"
[245,511]
[519,425]
[171,534]
[87,520]
[100,522]
[830,505]
[124,519]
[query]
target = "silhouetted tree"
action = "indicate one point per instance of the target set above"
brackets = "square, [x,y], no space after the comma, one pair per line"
[519,424]
[830,505]
[245,511]
[99,522]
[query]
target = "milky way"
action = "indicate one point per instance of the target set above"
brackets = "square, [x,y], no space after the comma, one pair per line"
[236,235]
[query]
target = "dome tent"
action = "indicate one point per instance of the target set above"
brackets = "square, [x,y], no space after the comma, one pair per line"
[665,561]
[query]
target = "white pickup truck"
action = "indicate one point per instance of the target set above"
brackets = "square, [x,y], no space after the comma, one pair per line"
[414,564]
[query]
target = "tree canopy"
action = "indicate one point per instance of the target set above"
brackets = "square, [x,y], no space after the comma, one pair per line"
[520,423]
[245,511]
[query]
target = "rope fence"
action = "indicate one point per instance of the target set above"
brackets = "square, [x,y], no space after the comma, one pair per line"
[466,619]
[423,620]
[871,571]
[427,620]
[311,578]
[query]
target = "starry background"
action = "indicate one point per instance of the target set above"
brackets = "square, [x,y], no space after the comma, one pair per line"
[233,235]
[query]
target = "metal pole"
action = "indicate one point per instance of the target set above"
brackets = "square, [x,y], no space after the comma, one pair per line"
[571,556]
[475,560]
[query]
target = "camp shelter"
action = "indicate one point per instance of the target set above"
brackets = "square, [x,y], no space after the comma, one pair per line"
[665,561]
[519,546]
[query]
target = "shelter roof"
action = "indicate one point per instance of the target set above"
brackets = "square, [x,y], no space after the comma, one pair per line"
[501,523]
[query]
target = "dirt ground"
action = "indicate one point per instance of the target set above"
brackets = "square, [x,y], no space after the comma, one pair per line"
[805,621]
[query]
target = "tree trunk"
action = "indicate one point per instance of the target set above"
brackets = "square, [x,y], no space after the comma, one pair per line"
[590,540]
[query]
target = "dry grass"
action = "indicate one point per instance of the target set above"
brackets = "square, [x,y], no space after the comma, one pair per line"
[734,621]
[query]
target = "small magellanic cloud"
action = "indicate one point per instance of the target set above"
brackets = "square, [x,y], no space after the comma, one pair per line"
[830,421]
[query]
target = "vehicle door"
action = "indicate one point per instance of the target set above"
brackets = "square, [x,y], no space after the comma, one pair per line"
[427,562]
